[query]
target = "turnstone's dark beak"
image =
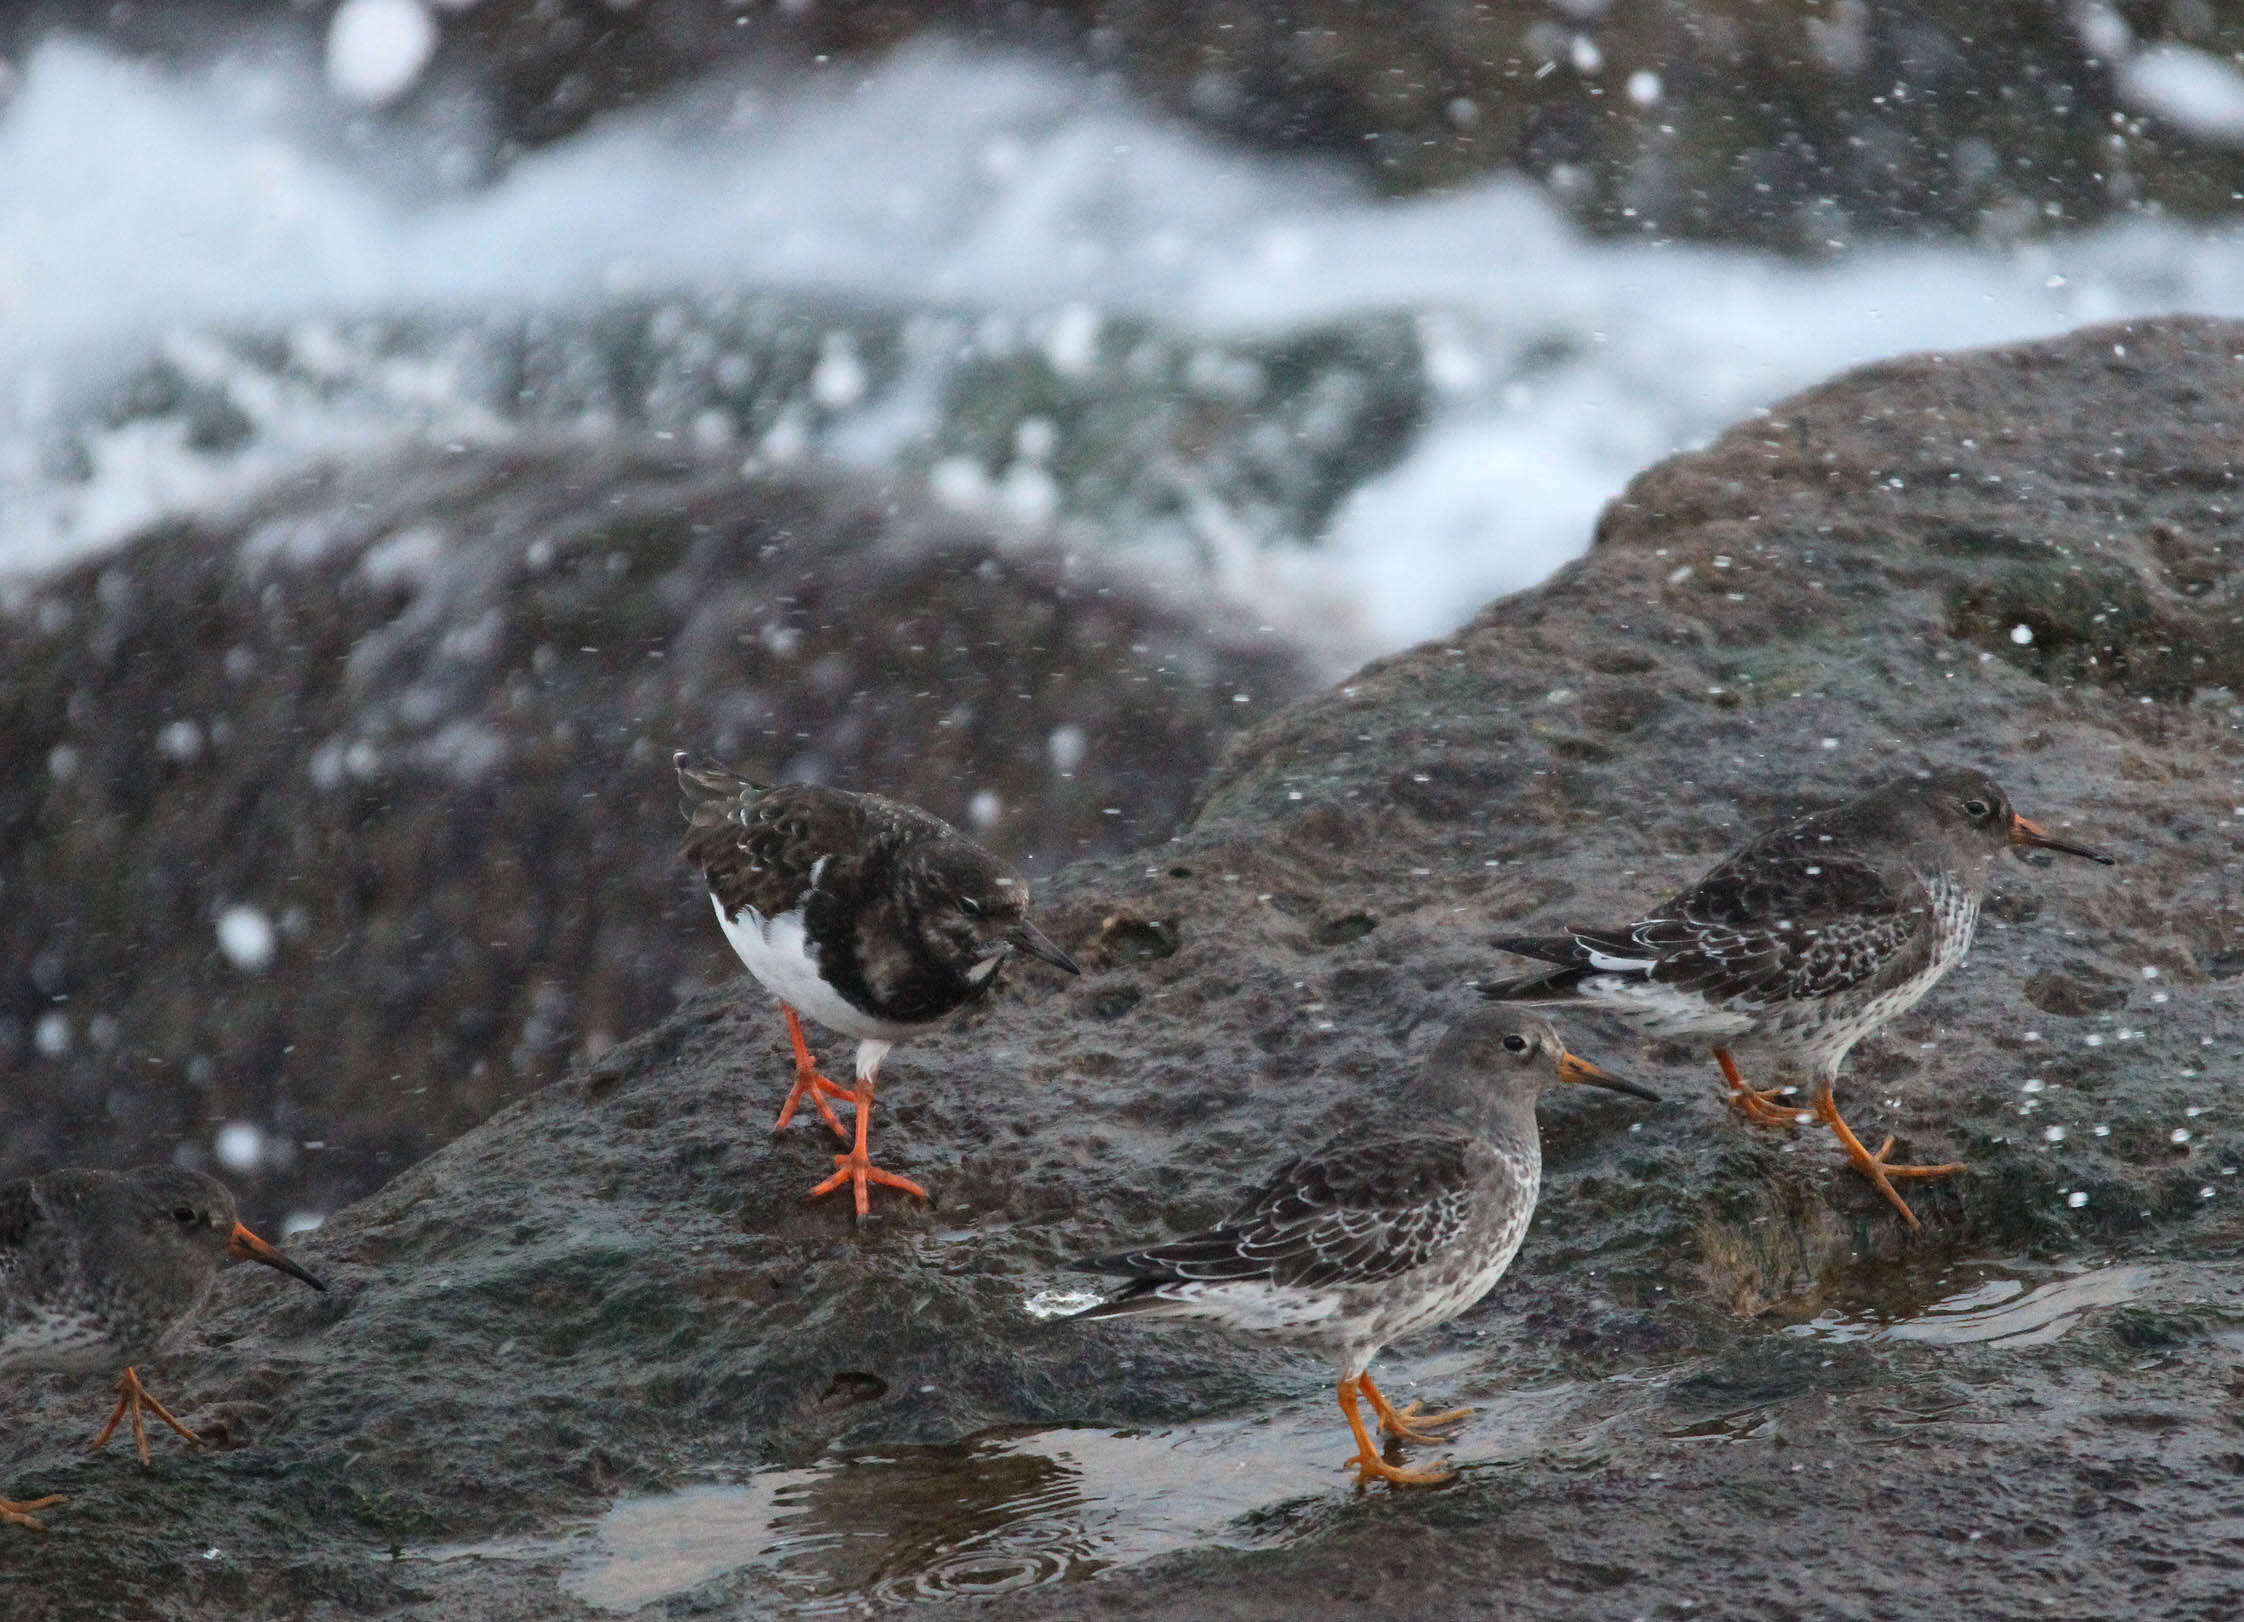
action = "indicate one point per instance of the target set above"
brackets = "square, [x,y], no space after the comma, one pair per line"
[1582,1072]
[1028,938]
[2032,836]
[250,1248]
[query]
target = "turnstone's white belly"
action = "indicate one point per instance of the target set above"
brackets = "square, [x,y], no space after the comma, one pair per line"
[777,952]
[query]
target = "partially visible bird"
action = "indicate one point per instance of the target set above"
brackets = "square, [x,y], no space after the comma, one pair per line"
[100,1268]
[875,918]
[1380,1232]
[1804,942]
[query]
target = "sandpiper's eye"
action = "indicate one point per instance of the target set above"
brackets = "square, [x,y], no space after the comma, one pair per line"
[184,1216]
[1977,810]
[973,907]
[1515,1043]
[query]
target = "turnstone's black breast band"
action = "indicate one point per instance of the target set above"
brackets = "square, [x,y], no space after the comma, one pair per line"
[875,918]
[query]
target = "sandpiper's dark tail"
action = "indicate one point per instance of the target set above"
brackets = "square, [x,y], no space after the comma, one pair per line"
[1153,1279]
[1572,962]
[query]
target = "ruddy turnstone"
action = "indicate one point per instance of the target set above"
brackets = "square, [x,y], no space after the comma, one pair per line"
[1378,1233]
[99,1268]
[876,919]
[1805,941]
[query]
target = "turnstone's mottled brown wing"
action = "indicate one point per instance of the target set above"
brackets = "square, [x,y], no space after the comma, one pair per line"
[1787,919]
[1357,1211]
[760,847]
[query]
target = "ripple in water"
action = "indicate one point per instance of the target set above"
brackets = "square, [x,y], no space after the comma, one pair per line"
[1001,1513]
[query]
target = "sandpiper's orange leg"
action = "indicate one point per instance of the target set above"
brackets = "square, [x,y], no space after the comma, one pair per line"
[1874,1166]
[1408,1424]
[808,1082]
[133,1396]
[856,1167]
[15,1514]
[1755,1104]
[1367,1463]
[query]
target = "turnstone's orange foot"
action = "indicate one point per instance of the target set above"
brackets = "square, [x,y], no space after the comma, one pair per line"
[1409,1424]
[15,1514]
[102,1266]
[1378,1225]
[1757,1104]
[877,919]
[1806,940]
[809,1083]
[860,1173]
[856,1168]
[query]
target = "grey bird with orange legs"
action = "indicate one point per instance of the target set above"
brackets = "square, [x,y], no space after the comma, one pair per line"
[875,918]
[1804,942]
[98,1269]
[1381,1232]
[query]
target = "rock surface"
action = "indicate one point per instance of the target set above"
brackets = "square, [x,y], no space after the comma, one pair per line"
[350,817]
[1720,1376]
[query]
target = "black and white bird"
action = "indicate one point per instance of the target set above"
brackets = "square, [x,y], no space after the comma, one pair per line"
[1378,1233]
[875,918]
[1804,942]
[99,1268]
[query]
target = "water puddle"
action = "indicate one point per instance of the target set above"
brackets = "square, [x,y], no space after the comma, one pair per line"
[1004,1511]
[1986,1303]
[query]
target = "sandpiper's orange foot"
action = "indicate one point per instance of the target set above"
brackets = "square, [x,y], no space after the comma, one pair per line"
[1762,1106]
[1408,1424]
[1367,1463]
[15,1514]
[1875,1166]
[809,1083]
[132,1397]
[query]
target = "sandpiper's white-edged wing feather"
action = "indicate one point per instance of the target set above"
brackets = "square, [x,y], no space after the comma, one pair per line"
[1360,1210]
[1780,922]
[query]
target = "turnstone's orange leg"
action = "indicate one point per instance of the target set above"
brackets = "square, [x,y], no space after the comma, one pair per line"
[1755,1104]
[856,1167]
[1874,1166]
[15,1514]
[808,1082]
[133,1396]
[1408,1424]
[1367,1463]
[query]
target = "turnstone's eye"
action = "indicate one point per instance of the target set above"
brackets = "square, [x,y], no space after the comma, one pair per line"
[1515,1043]
[1976,810]
[184,1216]
[973,907]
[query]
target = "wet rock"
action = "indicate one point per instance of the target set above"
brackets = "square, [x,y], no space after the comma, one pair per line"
[351,818]
[1717,1349]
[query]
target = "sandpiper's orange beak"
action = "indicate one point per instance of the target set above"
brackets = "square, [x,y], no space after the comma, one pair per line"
[250,1248]
[1583,1073]
[2032,836]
